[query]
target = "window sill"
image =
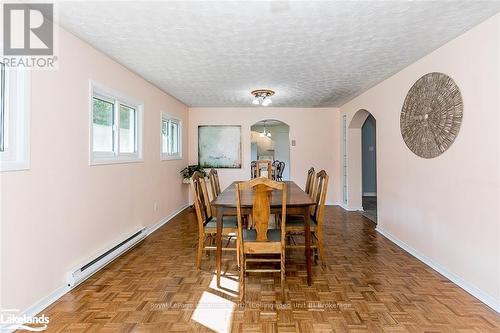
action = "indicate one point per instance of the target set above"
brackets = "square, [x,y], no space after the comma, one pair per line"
[115,161]
[14,166]
[170,158]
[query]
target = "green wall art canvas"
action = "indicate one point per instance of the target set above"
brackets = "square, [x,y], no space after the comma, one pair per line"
[219,146]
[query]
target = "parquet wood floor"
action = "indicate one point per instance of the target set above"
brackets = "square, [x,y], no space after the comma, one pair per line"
[368,284]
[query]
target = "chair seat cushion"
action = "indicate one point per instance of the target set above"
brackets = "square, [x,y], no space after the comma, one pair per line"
[273,235]
[229,222]
[296,221]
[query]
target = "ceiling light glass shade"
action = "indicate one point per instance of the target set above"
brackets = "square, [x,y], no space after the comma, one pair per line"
[262,97]
[267,101]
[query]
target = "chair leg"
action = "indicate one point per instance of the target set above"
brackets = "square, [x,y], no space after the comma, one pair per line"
[283,296]
[242,278]
[211,241]
[320,247]
[238,252]
[201,245]
[277,221]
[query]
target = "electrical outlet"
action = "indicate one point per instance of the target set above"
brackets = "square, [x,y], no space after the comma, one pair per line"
[155,206]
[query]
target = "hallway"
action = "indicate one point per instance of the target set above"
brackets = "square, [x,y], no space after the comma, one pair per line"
[370,208]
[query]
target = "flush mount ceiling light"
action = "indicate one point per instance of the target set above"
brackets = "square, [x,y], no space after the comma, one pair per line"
[262,97]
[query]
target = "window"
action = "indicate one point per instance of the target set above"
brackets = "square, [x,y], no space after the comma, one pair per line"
[116,127]
[2,105]
[15,100]
[171,137]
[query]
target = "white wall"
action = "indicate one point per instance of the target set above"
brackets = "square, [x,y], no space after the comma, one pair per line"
[62,211]
[447,208]
[317,144]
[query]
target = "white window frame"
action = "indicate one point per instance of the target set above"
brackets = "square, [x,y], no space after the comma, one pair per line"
[166,156]
[16,156]
[117,98]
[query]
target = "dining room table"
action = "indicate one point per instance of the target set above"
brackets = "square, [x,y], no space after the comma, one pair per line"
[298,202]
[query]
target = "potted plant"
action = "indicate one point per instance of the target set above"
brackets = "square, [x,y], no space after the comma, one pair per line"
[188,172]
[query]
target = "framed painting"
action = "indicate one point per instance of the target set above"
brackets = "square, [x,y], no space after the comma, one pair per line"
[219,146]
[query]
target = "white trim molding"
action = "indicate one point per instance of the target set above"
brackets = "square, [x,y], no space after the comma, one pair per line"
[42,304]
[165,153]
[16,155]
[350,209]
[166,219]
[468,287]
[116,99]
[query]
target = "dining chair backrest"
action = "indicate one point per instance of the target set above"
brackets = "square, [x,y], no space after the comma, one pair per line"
[280,168]
[262,188]
[319,196]
[275,166]
[310,181]
[213,176]
[201,201]
[253,169]
[260,164]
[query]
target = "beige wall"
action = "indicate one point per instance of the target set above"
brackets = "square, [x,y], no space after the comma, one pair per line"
[446,208]
[62,211]
[313,129]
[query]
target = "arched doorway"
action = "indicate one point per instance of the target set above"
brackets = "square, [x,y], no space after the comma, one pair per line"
[362,164]
[270,140]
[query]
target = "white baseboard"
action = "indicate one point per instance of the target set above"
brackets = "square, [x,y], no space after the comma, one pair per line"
[46,301]
[43,303]
[166,219]
[370,194]
[349,209]
[468,287]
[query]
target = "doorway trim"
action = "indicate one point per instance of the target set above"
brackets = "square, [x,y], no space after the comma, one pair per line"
[354,160]
[288,165]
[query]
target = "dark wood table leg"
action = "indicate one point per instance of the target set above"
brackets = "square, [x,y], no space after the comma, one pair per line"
[218,244]
[307,221]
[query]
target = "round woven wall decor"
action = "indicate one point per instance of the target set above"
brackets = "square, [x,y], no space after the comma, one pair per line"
[431,115]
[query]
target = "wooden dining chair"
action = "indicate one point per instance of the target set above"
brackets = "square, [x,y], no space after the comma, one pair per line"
[260,164]
[279,170]
[274,167]
[295,224]
[207,222]
[310,181]
[257,244]
[214,183]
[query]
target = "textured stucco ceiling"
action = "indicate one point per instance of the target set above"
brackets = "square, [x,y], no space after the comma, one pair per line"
[311,53]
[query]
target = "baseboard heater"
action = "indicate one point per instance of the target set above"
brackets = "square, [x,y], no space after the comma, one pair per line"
[78,275]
